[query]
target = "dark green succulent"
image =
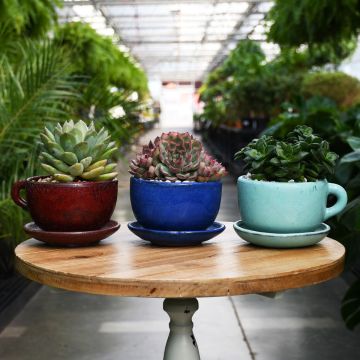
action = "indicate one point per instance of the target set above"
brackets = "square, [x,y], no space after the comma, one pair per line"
[301,156]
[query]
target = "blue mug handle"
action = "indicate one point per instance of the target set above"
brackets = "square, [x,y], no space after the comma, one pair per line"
[341,195]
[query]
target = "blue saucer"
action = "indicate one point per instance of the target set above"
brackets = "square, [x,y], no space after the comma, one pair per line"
[274,240]
[176,238]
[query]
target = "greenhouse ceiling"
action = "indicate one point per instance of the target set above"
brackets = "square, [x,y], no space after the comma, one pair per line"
[175,40]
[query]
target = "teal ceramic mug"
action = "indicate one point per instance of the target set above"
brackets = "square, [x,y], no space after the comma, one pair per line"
[287,207]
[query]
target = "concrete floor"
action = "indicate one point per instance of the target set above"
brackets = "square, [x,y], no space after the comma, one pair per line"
[303,324]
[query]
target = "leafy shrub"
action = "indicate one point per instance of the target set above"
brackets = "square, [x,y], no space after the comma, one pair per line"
[246,85]
[343,89]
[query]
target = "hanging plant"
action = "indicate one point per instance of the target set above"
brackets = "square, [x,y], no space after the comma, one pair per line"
[97,56]
[29,18]
[313,22]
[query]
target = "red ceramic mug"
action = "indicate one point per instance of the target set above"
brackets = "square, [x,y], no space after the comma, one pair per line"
[75,206]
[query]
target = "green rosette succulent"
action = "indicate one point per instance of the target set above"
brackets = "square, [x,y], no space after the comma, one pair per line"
[176,157]
[75,151]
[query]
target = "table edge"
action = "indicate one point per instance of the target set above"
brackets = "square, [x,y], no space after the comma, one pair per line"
[183,288]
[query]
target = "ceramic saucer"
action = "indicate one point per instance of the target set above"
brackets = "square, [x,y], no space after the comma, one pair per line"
[176,238]
[274,240]
[71,238]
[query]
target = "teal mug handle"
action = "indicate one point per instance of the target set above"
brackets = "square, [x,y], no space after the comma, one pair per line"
[341,195]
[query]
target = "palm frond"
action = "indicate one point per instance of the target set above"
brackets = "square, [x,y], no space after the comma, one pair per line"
[33,92]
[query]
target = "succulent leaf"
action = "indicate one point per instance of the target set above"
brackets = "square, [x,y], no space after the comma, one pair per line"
[58,164]
[69,157]
[49,134]
[63,177]
[67,141]
[94,173]
[96,165]
[108,176]
[86,162]
[49,169]
[109,168]
[76,169]
[107,154]
[81,150]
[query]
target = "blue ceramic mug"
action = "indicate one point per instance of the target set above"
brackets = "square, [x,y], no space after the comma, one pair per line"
[279,207]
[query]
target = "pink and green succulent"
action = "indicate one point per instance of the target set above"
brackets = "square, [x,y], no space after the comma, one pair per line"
[176,157]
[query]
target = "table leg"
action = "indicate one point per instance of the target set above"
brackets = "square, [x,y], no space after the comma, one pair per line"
[181,343]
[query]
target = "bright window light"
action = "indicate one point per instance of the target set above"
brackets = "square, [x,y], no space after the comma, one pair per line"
[106,31]
[174,40]
[85,10]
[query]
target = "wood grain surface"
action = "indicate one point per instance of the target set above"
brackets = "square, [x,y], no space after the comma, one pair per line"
[125,265]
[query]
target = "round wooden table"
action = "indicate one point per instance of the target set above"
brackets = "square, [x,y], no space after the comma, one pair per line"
[124,265]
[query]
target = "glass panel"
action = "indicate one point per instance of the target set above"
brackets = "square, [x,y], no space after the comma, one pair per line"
[174,39]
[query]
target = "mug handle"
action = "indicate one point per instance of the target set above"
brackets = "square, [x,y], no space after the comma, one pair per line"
[15,194]
[341,195]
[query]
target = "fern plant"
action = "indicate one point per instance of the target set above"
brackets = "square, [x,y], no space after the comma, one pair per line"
[29,18]
[313,22]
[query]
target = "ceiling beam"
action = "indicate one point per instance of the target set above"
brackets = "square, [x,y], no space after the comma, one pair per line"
[151,2]
[161,42]
[230,38]
[170,17]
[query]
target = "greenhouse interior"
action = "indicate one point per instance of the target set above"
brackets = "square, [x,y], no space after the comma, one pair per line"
[179,180]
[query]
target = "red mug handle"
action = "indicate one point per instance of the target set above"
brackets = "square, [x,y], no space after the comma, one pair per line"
[15,194]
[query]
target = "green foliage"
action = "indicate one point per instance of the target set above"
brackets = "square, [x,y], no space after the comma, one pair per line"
[33,91]
[96,56]
[301,156]
[324,117]
[75,151]
[99,104]
[245,85]
[347,226]
[343,89]
[306,57]
[220,92]
[31,18]
[313,22]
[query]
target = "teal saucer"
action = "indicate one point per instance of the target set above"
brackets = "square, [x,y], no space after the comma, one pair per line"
[285,241]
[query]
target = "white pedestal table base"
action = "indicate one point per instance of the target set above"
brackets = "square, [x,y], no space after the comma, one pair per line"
[181,343]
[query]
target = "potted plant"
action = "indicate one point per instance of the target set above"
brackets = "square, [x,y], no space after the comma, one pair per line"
[80,191]
[175,184]
[285,191]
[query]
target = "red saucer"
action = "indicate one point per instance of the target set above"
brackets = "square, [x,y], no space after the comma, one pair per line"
[71,238]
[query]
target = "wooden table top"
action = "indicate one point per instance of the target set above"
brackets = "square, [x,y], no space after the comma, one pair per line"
[125,265]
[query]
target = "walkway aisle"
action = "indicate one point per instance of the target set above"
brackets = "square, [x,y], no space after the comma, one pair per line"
[303,324]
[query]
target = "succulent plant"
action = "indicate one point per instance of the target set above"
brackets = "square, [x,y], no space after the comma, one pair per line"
[176,157]
[75,151]
[302,156]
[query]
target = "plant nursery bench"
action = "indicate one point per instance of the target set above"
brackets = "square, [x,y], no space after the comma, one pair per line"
[123,265]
